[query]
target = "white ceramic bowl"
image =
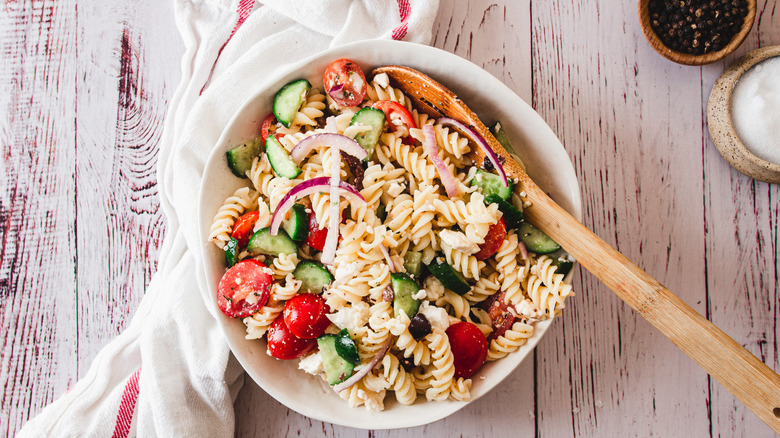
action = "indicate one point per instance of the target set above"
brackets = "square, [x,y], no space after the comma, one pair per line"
[535,143]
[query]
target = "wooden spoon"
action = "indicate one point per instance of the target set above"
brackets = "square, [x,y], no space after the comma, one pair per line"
[749,379]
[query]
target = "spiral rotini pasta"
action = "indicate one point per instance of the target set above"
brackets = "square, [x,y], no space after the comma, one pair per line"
[510,341]
[442,364]
[241,200]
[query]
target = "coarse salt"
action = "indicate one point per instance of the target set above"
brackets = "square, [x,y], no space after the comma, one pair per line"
[755,109]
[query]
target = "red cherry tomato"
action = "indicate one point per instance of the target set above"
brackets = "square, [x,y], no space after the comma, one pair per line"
[469,348]
[242,229]
[265,128]
[495,237]
[244,289]
[282,344]
[306,315]
[393,111]
[317,236]
[345,82]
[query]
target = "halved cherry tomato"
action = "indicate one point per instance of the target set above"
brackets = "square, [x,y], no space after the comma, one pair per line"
[242,229]
[495,237]
[306,315]
[394,111]
[317,236]
[469,348]
[345,82]
[500,317]
[244,289]
[265,128]
[283,344]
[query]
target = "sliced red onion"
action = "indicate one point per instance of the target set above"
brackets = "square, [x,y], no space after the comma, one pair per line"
[365,370]
[337,92]
[489,153]
[319,184]
[388,258]
[523,249]
[332,239]
[337,141]
[450,184]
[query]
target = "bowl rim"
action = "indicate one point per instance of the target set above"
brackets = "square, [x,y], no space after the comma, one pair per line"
[686,58]
[542,135]
[721,123]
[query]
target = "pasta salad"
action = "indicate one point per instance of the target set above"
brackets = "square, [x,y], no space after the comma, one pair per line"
[368,245]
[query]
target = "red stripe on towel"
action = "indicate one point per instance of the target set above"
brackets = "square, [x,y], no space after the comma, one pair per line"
[127,406]
[243,11]
[404,9]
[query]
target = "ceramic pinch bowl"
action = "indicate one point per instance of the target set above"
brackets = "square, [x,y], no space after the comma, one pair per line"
[690,59]
[721,123]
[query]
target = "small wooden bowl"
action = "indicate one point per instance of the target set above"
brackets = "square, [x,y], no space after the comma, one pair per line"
[688,59]
[722,125]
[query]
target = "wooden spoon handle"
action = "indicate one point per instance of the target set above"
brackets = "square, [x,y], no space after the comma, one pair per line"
[739,371]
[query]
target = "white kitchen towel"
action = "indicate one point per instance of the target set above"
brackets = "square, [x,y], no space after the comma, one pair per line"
[170,373]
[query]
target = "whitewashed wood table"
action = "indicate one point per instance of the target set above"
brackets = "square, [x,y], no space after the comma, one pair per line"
[84,88]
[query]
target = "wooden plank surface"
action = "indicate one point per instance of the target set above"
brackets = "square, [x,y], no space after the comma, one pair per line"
[84,88]
[38,339]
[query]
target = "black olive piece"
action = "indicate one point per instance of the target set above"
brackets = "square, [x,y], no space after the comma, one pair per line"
[408,364]
[419,327]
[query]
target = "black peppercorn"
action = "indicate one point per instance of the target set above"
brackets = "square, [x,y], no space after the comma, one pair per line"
[697,26]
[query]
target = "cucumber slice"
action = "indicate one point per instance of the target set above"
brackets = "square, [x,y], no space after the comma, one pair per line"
[498,132]
[413,264]
[289,100]
[231,252]
[262,242]
[337,369]
[280,159]
[313,276]
[376,120]
[448,276]
[403,289]
[297,224]
[491,184]
[535,240]
[563,263]
[346,348]
[239,159]
[512,216]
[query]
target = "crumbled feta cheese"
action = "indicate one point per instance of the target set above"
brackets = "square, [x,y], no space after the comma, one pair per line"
[267,270]
[312,364]
[528,309]
[434,288]
[351,318]
[458,241]
[420,294]
[346,271]
[437,316]
[382,80]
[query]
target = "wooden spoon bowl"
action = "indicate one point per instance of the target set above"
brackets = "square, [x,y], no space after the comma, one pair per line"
[744,375]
